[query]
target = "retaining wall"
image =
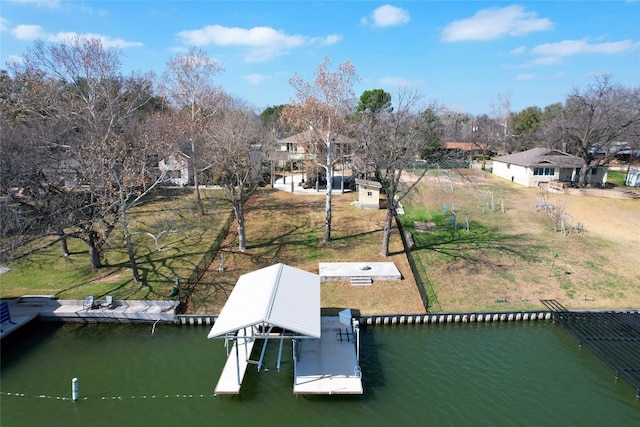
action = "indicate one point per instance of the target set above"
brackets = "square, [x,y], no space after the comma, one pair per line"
[408,319]
[189,319]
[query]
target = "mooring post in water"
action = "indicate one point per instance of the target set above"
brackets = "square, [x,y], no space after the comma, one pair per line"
[74,389]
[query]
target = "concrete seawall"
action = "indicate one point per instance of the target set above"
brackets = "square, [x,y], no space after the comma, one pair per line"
[408,319]
[188,319]
[431,318]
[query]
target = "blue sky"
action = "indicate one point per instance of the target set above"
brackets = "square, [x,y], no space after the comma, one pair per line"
[463,54]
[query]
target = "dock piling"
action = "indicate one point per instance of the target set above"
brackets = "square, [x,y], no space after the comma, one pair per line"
[74,389]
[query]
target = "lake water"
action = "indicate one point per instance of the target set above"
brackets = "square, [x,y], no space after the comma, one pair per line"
[504,374]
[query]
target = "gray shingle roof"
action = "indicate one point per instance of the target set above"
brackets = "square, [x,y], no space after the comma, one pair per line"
[540,156]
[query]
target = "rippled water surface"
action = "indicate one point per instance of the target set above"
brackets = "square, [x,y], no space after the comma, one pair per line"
[525,374]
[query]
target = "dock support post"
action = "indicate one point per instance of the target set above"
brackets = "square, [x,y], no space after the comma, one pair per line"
[74,389]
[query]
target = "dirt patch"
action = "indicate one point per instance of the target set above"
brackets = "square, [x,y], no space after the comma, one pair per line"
[110,277]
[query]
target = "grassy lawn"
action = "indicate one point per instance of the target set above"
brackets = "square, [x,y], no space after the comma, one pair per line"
[516,253]
[287,228]
[498,245]
[617,177]
[181,239]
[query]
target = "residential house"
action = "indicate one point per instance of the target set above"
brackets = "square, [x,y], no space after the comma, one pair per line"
[302,148]
[538,167]
[177,169]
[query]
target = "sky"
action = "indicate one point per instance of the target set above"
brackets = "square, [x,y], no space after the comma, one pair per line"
[464,55]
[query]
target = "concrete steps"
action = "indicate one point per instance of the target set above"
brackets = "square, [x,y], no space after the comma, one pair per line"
[360,281]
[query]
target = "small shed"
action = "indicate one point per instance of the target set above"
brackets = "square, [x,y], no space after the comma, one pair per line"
[368,194]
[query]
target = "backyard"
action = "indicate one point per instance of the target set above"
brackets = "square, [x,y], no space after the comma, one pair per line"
[515,255]
[481,244]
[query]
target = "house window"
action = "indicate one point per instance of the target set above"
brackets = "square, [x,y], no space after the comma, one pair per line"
[594,171]
[369,193]
[176,174]
[544,171]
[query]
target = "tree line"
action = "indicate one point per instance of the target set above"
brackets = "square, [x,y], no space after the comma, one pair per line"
[81,141]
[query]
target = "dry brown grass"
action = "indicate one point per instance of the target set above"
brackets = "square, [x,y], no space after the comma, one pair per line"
[518,255]
[286,228]
[515,254]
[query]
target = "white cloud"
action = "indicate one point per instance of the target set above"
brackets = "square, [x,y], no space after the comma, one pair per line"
[580,47]
[396,81]
[4,24]
[235,36]
[107,41]
[262,43]
[331,39]
[518,51]
[387,16]
[525,76]
[33,32]
[547,60]
[27,32]
[42,3]
[254,79]
[492,23]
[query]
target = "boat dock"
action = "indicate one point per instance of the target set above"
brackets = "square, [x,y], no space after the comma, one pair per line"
[29,307]
[234,369]
[329,365]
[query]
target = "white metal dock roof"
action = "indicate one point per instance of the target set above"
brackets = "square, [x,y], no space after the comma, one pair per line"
[279,295]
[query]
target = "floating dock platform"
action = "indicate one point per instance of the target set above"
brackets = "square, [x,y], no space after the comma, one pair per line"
[329,365]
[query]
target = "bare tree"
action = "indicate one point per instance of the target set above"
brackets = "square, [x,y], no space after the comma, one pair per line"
[94,153]
[392,140]
[501,114]
[478,132]
[323,109]
[454,124]
[597,118]
[241,146]
[135,176]
[188,85]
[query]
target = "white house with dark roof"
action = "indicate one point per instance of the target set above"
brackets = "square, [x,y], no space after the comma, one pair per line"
[540,166]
